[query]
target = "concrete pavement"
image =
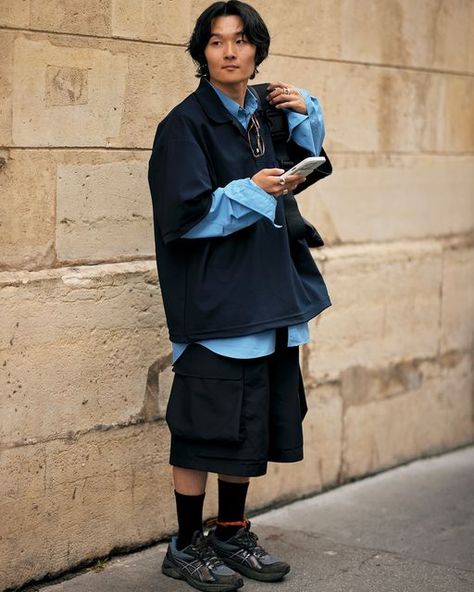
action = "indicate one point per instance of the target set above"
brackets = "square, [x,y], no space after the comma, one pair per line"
[407,529]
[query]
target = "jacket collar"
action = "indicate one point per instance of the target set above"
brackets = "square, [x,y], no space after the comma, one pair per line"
[211,104]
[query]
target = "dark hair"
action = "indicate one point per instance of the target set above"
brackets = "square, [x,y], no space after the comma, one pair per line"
[254,29]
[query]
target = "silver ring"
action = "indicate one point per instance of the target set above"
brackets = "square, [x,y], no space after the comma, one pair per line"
[282,181]
[286,91]
[285,191]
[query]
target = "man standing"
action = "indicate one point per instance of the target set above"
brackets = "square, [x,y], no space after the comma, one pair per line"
[238,291]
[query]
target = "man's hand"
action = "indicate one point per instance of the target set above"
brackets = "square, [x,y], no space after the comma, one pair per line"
[270,181]
[286,96]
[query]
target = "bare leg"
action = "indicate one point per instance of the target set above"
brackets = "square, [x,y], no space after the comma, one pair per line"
[233,478]
[189,481]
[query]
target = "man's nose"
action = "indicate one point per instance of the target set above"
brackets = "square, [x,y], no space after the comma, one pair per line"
[229,51]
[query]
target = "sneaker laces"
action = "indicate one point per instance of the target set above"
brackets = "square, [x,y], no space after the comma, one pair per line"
[204,552]
[249,540]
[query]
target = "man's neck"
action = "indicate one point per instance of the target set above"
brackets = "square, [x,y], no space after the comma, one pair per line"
[236,92]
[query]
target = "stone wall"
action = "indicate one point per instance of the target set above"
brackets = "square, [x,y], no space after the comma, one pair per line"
[84,355]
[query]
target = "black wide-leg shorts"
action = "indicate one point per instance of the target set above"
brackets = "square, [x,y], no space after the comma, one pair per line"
[232,416]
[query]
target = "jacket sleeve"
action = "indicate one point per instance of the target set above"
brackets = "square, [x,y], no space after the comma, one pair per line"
[179,179]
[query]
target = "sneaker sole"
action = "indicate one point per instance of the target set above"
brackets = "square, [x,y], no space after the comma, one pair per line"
[253,574]
[170,570]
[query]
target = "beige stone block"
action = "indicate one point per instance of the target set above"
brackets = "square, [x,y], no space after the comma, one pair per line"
[434,417]
[103,211]
[320,468]
[6,85]
[418,34]
[361,385]
[386,307]
[392,197]
[163,21]
[86,92]
[82,498]
[159,78]
[373,109]
[66,96]
[457,300]
[470,50]
[322,428]
[87,17]
[15,13]
[309,29]
[76,347]
[452,39]
[376,31]
[89,206]
[27,209]
[451,99]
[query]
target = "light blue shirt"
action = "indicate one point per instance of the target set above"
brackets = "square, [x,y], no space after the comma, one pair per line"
[241,203]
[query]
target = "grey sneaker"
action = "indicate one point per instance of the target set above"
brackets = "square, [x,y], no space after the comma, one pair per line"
[198,565]
[242,553]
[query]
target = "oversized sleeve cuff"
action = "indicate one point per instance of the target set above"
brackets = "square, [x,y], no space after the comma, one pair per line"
[307,130]
[248,194]
[237,205]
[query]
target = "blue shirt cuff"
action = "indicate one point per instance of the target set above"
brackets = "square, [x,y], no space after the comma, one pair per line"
[237,205]
[307,130]
[247,193]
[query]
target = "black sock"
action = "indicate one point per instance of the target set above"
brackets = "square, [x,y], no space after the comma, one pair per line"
[231,507]
[189,510]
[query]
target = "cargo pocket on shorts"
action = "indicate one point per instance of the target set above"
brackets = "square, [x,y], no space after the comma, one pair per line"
[206,397]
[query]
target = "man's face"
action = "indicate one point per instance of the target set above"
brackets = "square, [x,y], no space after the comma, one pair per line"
[230,56]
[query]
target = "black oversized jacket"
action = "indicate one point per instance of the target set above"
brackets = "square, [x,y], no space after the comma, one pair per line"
[243,283]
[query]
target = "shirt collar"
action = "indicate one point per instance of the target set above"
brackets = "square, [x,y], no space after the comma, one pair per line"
[250,103]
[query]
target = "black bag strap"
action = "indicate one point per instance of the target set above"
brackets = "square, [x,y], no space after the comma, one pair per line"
[288,154]
[278,124]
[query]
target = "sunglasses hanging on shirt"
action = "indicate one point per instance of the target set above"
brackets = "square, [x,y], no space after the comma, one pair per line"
[257,145]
